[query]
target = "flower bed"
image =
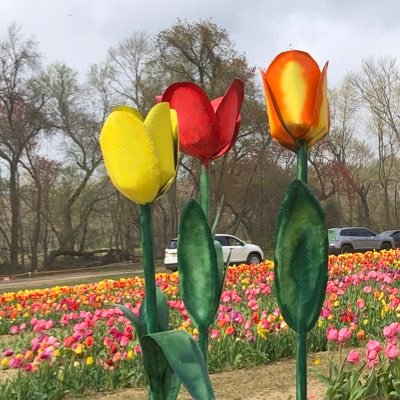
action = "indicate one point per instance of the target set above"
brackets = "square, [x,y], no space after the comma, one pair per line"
[70,339]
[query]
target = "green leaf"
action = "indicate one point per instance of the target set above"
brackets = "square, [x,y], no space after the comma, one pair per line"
[217,217]
[138,323]
[162,311]
[163,382]
[182,354]
[220,261]
[396,385]
[301,257]
[198,268]
[372,388]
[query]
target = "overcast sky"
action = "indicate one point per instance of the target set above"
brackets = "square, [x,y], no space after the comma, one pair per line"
[79,32]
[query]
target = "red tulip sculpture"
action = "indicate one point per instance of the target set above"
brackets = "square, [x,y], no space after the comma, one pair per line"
[207,129]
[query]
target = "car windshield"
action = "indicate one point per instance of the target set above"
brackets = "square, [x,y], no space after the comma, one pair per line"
[173,244]
[331,235]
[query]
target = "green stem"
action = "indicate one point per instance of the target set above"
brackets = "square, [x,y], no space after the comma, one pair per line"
[203,343]
[301,366]
[205,188]
[149,272]
[302,162]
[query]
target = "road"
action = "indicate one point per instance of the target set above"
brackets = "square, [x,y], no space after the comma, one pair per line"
[73,278]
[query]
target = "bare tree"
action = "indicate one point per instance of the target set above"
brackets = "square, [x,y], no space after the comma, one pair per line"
[378,85]
[21,116]
[77,113]
[130,73]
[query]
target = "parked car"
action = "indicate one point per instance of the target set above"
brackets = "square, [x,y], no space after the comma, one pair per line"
[354,238]
[395,234]
[240,251]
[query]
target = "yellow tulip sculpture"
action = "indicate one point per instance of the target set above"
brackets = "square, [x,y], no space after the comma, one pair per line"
[141,158]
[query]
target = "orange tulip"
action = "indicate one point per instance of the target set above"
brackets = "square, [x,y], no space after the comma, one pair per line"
[297,103]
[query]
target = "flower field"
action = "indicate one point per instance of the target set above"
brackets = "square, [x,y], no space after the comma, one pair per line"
[72,339]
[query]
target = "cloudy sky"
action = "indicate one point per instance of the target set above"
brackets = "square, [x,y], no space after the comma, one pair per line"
[344,32]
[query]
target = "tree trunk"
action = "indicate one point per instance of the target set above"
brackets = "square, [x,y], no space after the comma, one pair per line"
[363,193]
[36,229]
[386,205]
[68,240]
[14,205]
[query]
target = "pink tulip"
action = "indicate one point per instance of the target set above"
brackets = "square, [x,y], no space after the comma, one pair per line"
[248,324]
[391,331]
[52,341]
[325,313]
[45,355]
[8,352]
[391,351]
[15,362]
[225,298]
[215,334]
[372,363]
[49,324]
[253,305]
[124,341]
[344,335]
[367,289]
[353,357]
[360,303]
[14,329]
[332,334]
[374,345]
[28,367]
[373,349]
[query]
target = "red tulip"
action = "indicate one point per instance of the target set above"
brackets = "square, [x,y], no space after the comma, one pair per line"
[207,129]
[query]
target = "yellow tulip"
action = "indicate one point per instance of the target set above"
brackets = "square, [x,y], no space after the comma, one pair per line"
[297,103]
[89,360]
[141,156]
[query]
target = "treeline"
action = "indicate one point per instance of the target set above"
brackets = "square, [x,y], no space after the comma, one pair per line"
[57,205]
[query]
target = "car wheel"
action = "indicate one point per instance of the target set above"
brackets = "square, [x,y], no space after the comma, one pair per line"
[346,248]
[254,258]
[386,246]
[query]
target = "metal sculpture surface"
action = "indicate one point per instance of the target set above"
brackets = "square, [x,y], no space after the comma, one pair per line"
[141,158]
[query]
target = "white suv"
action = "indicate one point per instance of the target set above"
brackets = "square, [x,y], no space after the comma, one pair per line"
[353,238]
[241,252]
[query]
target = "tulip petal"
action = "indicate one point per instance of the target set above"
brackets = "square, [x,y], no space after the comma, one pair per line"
[174,123]
[293,78]
[278,131]
[131,110]
[158,123]
[175,131]
[198,125]
[227,110]
[130,156]
[215,103]
[320,125]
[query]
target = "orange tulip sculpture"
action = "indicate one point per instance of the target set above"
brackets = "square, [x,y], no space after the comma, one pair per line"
[298,114]
[297,103]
